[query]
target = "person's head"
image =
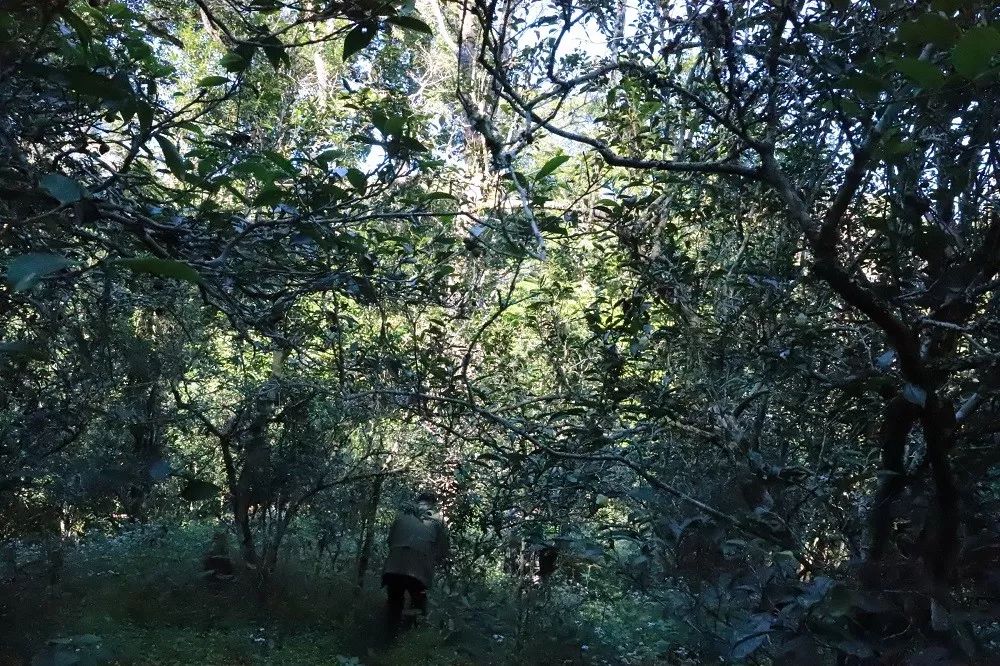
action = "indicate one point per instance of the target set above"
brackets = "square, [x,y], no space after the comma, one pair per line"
[428,498]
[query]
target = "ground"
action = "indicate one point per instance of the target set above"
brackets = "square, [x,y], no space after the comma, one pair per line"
[138,599]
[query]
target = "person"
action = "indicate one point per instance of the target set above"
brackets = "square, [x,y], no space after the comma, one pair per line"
[217,565]
[529,556]
[418,541]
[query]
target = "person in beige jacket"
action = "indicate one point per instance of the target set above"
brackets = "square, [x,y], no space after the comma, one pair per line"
[418,541]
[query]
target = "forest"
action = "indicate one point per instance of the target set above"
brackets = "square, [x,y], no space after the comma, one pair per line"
[686,314]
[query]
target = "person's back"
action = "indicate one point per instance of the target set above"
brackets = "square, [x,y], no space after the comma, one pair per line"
[418,540]
[416,544]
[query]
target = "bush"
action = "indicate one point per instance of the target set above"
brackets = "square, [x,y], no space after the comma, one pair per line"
[140,592]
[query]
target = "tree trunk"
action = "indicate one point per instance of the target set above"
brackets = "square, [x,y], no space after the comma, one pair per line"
[897,423]
[368,528]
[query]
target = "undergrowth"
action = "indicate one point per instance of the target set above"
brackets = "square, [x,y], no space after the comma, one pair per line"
[137,598]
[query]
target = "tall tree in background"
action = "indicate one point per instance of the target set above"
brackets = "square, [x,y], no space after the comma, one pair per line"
[699,292]
[869,128]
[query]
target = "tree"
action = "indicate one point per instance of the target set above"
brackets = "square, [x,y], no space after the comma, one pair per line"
[701,294]
[867,129]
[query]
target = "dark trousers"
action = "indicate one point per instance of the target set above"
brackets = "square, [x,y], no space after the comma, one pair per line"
[397,586]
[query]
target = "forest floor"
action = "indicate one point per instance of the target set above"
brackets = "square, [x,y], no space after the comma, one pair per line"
[139,599]
[127,601]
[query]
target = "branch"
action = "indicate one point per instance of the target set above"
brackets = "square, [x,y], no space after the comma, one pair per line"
[316,490]
[903,339]
[726,167]
[654,481]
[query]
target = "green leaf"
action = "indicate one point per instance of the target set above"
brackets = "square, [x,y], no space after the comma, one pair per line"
[750,636]
[197,491]
[62,189]
[846,106]
[361,289]
[329,155]
[282,162]
[931,28]
[975,50]
[892,147]
[839,601]
[915,394]
[394,125]
[210,81]
[948,6]
[25,271]
[550,166]
[165,267]
[380,120]
[410,23]
[357,179]
[852,646]
[269,196]
[145,114]
[361,138]
[433,196]
[80,27]
[234,62]
[359,37]
[884,361]
[274,51]
[412,145]
[256,166]
[921,72]
[246,51]
[864,85]
[519,179]
[89,83]
[172,157]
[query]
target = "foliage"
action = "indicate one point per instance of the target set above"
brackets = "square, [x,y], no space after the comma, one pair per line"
[110,582]
[700,296]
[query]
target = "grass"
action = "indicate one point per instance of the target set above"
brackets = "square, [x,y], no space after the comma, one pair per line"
[141,596]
